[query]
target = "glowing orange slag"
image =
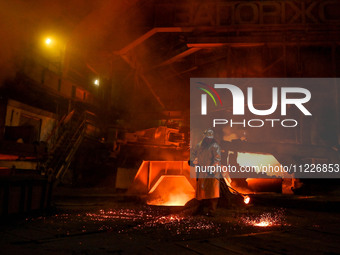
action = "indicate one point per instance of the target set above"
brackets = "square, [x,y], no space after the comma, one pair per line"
[171,200]
[263,224]
[171,190]
[265,220]
[246,199]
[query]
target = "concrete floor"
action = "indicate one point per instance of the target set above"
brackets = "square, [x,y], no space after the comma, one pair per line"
[102,226]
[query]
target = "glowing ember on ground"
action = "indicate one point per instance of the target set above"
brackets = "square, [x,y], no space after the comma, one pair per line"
[263,224]
[265,220]
[124,220]
[169,219]
[180,224]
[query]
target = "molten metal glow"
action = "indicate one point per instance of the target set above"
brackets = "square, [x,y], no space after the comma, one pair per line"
[252,159]
[171,190]
[266,219]
[246,200]
[265,184]
[171,200]
[263,224]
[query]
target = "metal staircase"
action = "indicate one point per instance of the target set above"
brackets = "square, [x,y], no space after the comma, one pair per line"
[71,132]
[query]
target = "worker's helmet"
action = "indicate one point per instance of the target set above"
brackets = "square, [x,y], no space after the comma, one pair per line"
[209,133]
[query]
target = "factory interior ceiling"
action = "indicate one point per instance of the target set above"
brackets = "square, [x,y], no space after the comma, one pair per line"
[129,42]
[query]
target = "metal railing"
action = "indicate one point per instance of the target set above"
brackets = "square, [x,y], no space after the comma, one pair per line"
[70,137]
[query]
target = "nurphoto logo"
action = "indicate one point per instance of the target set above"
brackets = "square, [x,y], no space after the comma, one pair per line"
[243,99]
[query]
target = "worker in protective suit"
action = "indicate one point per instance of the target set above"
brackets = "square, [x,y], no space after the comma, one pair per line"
[207,153]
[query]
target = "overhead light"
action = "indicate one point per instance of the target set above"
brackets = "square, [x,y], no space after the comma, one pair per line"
[96,82]
[48,41]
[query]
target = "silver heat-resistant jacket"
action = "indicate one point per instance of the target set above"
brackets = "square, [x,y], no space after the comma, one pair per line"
[207,184]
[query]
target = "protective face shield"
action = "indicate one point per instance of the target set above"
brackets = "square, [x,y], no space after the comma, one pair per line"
[209,133]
